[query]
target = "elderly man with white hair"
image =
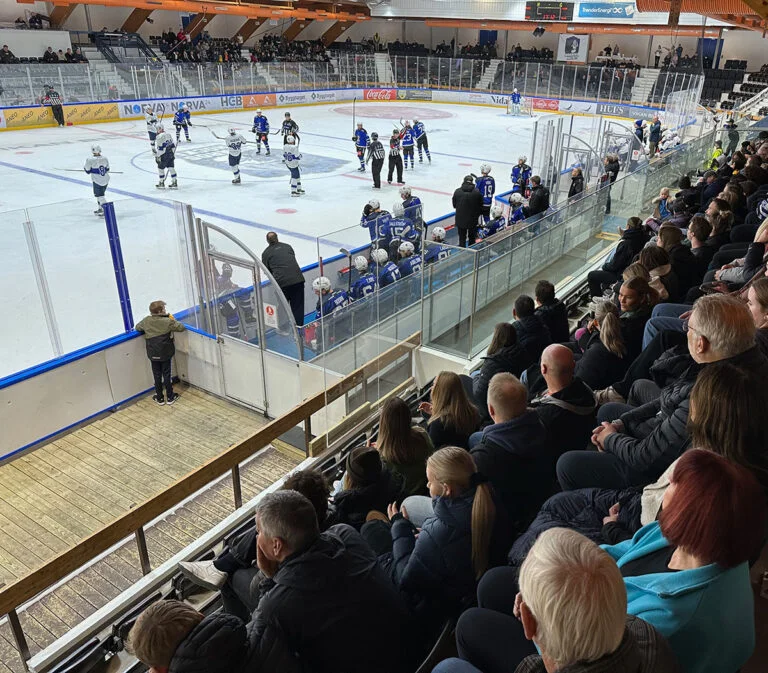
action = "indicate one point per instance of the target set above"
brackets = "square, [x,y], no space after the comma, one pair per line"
[569,615]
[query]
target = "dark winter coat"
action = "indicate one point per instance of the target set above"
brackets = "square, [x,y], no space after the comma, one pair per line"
[158,333]
[223,643]
[703,255]
[336,608]
[512,359]
[577,186]
[352,505]
[518,459]
[598,367]
[280,260]
[555,317]
[538,201]
[468,203]
[413,474]
[444,434]
[533,335]
[568,415]
[612,168]
[631,243]
[685,267]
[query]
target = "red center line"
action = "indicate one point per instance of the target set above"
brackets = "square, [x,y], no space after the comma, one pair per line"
[420,189]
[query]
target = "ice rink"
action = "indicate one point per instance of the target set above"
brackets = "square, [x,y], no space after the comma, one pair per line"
[41,172]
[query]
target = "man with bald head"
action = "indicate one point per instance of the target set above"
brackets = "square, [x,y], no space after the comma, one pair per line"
[514,452]
[567,408]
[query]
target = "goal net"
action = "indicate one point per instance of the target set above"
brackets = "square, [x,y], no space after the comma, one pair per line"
[524,109]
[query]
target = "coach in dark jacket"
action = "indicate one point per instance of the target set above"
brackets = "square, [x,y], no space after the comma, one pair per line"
[633,239]
[538,202]
[532,333]
[468,203]
[280,260]
[328,596]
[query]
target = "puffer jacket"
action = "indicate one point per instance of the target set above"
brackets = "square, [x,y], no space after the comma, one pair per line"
[533,335]
[352,505]
[158,333]
[631,243]
[598,367]
[512,359]
[632,329]
[555,317]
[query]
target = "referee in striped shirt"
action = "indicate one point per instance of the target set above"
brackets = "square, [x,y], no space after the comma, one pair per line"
[376,152]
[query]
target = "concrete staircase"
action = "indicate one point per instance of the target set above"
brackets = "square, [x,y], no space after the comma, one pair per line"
[489,75]
[644,84]
[264,72]
[105,74]
[384,72]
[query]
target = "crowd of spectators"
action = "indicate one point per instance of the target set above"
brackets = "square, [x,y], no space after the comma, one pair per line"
[71,55]
[277,48]
[181,47]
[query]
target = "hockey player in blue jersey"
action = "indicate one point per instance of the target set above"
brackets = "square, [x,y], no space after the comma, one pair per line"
[486,185]
[386,272]
[413,208]
[515,100]
[292,158]
[407,142]
[328,301]
[516,209]
[436,251]
[365,285]
[521,174]
[376,221]
[410,262]
[261,129]
[362,141]
[495,224]
[399,229]
[182,120]
[420,133]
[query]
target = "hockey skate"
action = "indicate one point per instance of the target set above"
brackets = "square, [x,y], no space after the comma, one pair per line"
[268,152]
[99,212]
[361,169]
[174,184]
[236,181]
[161,184]
[189,140]
[295,193]
[258,151]
[300,191]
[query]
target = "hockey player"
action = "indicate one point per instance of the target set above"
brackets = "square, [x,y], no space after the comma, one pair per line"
[409,261]
[515,100]
[291,158]
[328,301]
[414,210]
[395,160]
[166,154]
[420,133]
[231,300]
[289,129]
[361,141]
[365,285]
[182,120]
[261,129]
[520,175]
[376,154]
[52,99]
[495,224]
[407,141]
[376,221]
[97,167]
[436,251]
[516,208]
[152,122]
[400,229]
[486,185]
[385,271]
[235,143]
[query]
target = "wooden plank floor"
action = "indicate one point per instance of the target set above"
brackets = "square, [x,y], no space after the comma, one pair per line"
[61,492]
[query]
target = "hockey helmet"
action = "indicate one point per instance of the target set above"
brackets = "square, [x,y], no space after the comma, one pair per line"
[374,136]
[321,284]
[374,204]
[258,111]
[485,169]
[232,130]
[380,256]
[405,192]
[160,128]
[514,90]
[96,149]
[359,125]
[288,114]
[361,263]
[515,199]
[406,248]
[496,211]
[290,140]
[438,234]
[407,123]
[226,270]
[398,210]
[522,159]
[415,120]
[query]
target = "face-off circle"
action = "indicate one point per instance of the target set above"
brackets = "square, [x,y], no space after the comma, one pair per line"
[393,112]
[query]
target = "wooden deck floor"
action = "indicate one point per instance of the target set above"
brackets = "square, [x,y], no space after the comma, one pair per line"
[59,493]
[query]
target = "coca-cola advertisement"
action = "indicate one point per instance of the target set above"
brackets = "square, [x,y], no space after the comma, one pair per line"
[380,94]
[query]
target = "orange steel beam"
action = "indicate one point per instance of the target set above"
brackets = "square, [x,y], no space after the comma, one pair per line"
[330,35]
[249,28]
[135,19]
[576,28]
[759,7]
[60,14]
[292,32]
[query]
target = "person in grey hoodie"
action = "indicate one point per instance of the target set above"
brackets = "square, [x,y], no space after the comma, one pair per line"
[514,452]
[158,328]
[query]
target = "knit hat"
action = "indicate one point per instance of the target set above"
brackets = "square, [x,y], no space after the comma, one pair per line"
[364,465]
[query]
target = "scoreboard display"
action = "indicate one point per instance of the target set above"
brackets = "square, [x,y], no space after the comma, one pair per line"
[549,11]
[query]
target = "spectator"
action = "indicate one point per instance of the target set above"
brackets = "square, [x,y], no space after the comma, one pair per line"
[577,183]
[661,205]
[637,441]
[514,452]
[698,232]
[633,238]
[158,328]
[60,56]
[69,57]
[663,278]
[567,407]
[612,168]
[452,417]
[78,56]
[532,333]
[657,56]
[49,56]
[710,186]
[552,311]
[468,203]
[280,260]
[504,354]
[636,301]
[719,215]
[572,606]
[7,56]
[404,449]
[757,303]
[681,259]
[538,202]
[172,636]
[233,571]
[654,135]
[740,271]
[605,353]
[328,595]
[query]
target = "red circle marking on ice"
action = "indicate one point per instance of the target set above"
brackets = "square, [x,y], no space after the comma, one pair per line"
[23,152]
[393,113]
[286,211]
[465,164]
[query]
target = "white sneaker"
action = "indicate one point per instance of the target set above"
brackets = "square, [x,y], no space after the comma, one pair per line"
[204,574]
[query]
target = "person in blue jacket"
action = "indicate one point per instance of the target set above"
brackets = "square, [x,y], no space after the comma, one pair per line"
[361,141]
[687,573]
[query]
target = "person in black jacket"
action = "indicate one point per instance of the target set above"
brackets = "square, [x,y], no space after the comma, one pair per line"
[532,333]
[684,264]
[710,186]
[577,183]
[158,328]
[633,238]
[280,260]
[504,354]
[468,202]
[327,595]
[552,311]
[538,202]
[604,359]
[451,415]
[172,637]
[612,168]
[567,408]
[515,452]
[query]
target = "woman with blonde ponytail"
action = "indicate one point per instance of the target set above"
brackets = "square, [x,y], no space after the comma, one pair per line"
[462,537]
[605,352]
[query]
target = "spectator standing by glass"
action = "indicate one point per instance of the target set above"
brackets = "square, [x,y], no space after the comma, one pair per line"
[158,328]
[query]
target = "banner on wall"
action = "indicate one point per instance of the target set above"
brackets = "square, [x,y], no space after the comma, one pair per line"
[414,94]
[90,112]
[573,48]
[28,116]
[380,94]
[259,100]
[606,10]
[545,104]
[577,106]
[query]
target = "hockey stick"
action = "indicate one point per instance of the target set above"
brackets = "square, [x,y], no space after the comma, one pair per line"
[354,118]
[78,170]
[346,252]
[214,135]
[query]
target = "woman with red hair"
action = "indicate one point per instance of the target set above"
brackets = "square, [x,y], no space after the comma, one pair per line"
[687,573]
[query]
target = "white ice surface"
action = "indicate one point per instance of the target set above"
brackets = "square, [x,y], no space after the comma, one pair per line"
[40,172]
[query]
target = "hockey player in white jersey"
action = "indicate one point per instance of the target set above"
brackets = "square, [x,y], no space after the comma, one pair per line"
[97,167]
[235,143]
[166,155]
[292,157]
[152,122]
